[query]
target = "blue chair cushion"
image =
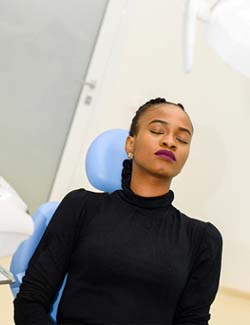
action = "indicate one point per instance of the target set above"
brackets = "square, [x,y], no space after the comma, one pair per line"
[104,160]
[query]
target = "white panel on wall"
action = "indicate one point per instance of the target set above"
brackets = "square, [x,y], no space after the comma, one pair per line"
[45,51]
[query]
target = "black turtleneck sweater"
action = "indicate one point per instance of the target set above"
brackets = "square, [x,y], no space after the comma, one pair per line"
[129,259]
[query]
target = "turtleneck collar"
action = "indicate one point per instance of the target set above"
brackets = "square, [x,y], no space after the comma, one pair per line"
[128,195]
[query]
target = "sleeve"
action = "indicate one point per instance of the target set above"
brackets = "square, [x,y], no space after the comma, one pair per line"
[50,262]
[200,291]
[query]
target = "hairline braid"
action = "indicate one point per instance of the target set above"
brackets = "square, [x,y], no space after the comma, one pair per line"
[134,124]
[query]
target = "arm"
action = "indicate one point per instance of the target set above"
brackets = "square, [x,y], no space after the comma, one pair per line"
[200,291]
[50,262]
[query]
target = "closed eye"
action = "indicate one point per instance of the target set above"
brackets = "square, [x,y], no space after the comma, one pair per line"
[156,132]
[182,140]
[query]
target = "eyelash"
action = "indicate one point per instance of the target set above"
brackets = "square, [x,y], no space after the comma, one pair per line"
[178,139]
[182,141]
[156,132]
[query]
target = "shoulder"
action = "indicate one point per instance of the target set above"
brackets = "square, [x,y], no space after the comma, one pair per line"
[81,196]
[203,227]
[204,235]
[212,240]
[213,233]
[75,205]
[82,202]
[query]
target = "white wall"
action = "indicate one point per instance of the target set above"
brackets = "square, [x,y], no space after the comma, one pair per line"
[145,63]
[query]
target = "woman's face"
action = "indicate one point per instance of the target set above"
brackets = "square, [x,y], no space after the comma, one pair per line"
[161,145]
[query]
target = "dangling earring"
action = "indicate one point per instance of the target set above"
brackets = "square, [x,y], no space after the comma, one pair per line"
[130,155]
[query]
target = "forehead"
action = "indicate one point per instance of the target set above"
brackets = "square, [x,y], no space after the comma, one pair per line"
[172,114]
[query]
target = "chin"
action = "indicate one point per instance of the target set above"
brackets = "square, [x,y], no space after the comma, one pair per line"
[163,173]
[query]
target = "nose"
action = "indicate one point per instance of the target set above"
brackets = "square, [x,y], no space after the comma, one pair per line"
[168,141]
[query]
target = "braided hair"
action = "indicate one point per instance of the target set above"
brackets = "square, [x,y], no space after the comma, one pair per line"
[134,125]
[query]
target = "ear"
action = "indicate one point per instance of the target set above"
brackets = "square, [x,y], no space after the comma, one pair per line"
[129,144]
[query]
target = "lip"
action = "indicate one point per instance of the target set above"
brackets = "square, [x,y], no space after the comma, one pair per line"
[166,154]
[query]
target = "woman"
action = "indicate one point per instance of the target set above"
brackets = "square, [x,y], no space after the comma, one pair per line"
[131,256]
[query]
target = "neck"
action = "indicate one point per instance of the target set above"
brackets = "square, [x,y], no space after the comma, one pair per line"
[150,185]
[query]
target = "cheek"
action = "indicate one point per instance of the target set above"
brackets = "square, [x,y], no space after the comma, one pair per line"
[145,146]
[142,152]
[185,155]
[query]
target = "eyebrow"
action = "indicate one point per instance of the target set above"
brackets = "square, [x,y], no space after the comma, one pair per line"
[165,123]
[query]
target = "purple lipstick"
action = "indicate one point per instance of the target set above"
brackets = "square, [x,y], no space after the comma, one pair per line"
[166,154]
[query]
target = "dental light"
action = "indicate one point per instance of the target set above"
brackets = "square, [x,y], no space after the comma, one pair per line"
[227,27]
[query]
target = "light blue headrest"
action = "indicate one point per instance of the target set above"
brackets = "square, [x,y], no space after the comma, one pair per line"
[104,160]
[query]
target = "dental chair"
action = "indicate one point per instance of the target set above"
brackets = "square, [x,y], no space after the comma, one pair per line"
[103,168]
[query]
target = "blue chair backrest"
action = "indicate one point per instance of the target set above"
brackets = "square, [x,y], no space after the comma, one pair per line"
[104,159]
[103,167]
